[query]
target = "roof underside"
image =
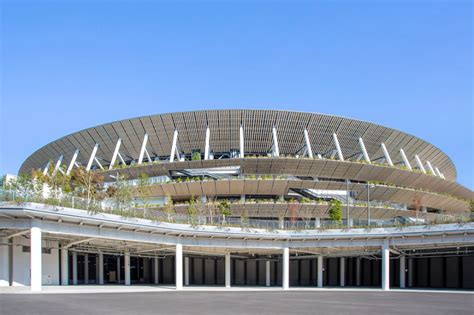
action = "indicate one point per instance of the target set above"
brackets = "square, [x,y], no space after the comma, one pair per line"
[224,136]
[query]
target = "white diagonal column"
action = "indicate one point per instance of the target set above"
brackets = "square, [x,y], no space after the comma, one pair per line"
[116,152]
[430,167]
[276,149]
[58,164]
[385,153]
[46,168]
[73,160]
[179,266]
[364,150]
[405,160]
[206,148]
[173,146]
[286,269]
[338,147]
[308,144]
[438,172]
[143,149]
[35,259]
[420,165]
[242,155]
[92,157]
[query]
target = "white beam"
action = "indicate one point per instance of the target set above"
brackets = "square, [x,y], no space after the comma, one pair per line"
[276,149]
[186,271]
[116,152]
[227,270]
[64,266]
[121,158]
[98,163]
[405,160]
[36,259]
[420,165]
[286,269]
[173,146]
[430,167]
[206,148]
[364,150]
[385,153]
[308,144]
[385,267]
[127,268]
[179,266]
[91,159]
[4,264]
[267,273]
[242,155]
[45,170]
[58,164]
[338,147]
[142,150]
[147,155]
[73,161]
[438,172]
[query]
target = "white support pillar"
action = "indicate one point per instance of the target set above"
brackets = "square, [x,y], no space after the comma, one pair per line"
[267,273]
[186,271]
[338,147]
[173,146]
[286,269]
[126,264]
[74,267]
[430,167]
[143,149]
[206,148]
[358,282]
[276,149]
[342,272]
[364,150]
[405,160]
[402,271]
[101,268]
[179,266]
[385,153]
[4,263]
[420,165]
[45,170]
[36,259]
[320,271]
[91,159]
[86,268]
[73,160]
[116,152]
[438,172]
[308,144]
[227,270]
[58,164]
[242,153]
[156,270]
[385,267]
[64,267]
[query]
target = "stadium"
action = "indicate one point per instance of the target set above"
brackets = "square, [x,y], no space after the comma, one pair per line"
[238,198]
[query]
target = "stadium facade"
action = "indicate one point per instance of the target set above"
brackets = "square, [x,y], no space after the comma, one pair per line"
[241,197]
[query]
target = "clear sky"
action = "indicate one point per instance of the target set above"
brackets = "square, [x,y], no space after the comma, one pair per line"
[402,64]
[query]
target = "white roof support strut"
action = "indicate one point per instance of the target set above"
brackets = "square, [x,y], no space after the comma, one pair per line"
[276,149]
[364,150]
[308,144]
[405,159]
[420,165]
[438,172]
[173,146]
[385,153]
[116,152]
[142,150]
[121,158]
[98,163]
[242,142]
[91,159]
[430,167]
[73,161]
[58,164]
[206,148]
[45,170]
[338,147]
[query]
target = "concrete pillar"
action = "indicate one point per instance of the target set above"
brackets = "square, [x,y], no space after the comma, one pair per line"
[286,269]
[119,274]
[4,263]
[86,268]
[186,270]
[156,271]
[358,282]
[402,271]
[179,266]
[342,272]
[35,261]
[227,270]
[64,267]
[126,264]
[385,267]
[267,273]
[410,272]
[96,269]
[317,222]
[74,268]
[101,268]
[320,271]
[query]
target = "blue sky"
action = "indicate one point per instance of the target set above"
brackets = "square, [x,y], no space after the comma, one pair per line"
[402,64]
